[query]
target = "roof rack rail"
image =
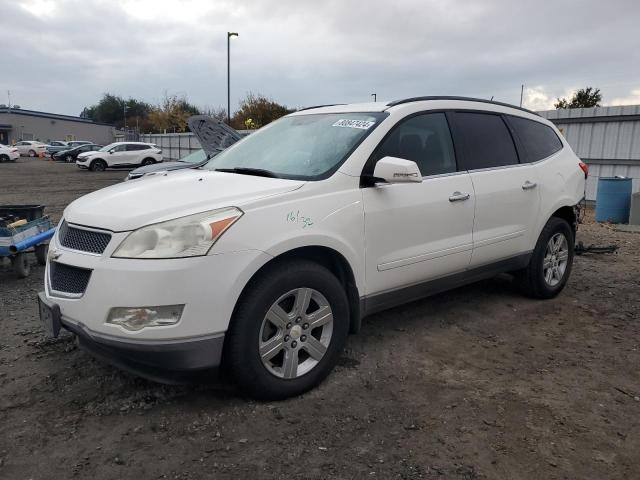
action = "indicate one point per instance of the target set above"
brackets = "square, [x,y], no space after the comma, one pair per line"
[320,106]
[466,99]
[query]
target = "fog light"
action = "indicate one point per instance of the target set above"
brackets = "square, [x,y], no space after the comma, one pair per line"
[137,318]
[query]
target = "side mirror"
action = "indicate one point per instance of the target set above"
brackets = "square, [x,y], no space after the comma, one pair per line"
[397,170]
[110,152]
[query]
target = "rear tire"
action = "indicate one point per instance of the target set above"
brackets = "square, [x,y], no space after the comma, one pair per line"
[21,265]
[148,161]
[4,158]
[68,159]
[32,153]
[550,264]
[98,166]
[293,356]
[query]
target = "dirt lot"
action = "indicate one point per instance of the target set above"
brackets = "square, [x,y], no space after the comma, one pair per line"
[475,383]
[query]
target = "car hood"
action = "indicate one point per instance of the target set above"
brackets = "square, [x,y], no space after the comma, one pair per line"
[130,205]
[85,154]
[159,167]
[213,135]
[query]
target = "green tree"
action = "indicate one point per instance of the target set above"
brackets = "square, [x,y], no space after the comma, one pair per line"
[583,98]
[112,109]
[171,114]
[257,110]
[219,113]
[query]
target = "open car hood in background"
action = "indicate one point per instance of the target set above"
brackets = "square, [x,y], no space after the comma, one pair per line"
[214,135]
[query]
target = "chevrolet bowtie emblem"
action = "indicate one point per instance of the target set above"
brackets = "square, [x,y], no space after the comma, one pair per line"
[54,254]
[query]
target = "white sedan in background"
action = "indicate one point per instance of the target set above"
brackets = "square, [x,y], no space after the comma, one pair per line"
[31,148]
[8,154]
[120,155]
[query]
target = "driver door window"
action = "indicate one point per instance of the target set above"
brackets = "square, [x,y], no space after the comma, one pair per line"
[424,139]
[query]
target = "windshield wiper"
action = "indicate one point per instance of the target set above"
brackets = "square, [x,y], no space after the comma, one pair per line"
[259,172]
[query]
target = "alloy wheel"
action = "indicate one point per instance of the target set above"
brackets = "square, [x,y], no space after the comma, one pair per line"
[556,258]
[295,333]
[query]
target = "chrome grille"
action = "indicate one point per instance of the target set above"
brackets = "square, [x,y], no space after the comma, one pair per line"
[83,240]
[67,279]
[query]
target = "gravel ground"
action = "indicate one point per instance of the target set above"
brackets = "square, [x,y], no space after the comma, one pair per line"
[475,383]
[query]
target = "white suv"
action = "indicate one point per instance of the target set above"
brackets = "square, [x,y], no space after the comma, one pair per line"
[263,260]
[120,155]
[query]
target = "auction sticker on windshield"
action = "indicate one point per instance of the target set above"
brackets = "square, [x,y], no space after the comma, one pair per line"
[361,124]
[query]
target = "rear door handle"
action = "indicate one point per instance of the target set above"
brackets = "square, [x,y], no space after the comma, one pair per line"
[529,185]
[459,197]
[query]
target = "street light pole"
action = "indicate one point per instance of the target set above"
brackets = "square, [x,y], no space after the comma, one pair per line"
[375,97]
[229,35]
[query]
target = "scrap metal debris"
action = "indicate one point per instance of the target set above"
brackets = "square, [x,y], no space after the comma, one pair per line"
[580,249]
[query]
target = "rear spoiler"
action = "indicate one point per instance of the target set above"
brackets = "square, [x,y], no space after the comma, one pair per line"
[214,136]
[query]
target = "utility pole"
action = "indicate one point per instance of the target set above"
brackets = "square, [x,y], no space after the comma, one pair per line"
[375,97]
[521,94]
[124,113]
[229,35]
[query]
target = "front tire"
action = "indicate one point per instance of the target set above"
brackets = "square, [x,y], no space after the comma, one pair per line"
[4,158]
[98,166]
[32,153]
[68,159]
[288,330]
[148,161]
[551,261]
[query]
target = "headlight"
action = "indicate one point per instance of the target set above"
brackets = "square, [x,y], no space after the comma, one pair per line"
[189,236]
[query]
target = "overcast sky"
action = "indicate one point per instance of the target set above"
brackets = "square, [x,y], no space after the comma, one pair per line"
[61,55]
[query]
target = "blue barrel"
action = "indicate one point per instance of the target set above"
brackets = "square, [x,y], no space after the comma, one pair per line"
[613,201]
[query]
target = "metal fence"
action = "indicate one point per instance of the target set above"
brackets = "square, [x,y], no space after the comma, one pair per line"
[176,145]
[173,145]
[606,138]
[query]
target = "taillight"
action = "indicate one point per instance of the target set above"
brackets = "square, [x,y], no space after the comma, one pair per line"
[585,168]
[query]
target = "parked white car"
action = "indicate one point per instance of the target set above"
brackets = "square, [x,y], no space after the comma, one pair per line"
[31,148]
[120,155]
[8,154]
[263,260]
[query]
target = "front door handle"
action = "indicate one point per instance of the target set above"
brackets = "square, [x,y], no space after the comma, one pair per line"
[459,197]
[529,185]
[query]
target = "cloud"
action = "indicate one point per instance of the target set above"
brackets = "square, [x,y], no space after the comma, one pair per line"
[632,99]
[60,56]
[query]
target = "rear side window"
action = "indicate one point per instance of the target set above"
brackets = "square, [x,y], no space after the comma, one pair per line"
[133,147]
[424,139]
[486,141]
[538,140]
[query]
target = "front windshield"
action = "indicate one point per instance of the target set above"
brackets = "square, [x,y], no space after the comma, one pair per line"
[106,148]
[195,157]
[305,147]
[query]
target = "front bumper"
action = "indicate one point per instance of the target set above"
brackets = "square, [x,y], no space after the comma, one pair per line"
[176,361]
[207,286]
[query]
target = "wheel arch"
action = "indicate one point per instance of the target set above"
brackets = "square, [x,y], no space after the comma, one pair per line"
[328,257]
[567,213]
[564,208]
